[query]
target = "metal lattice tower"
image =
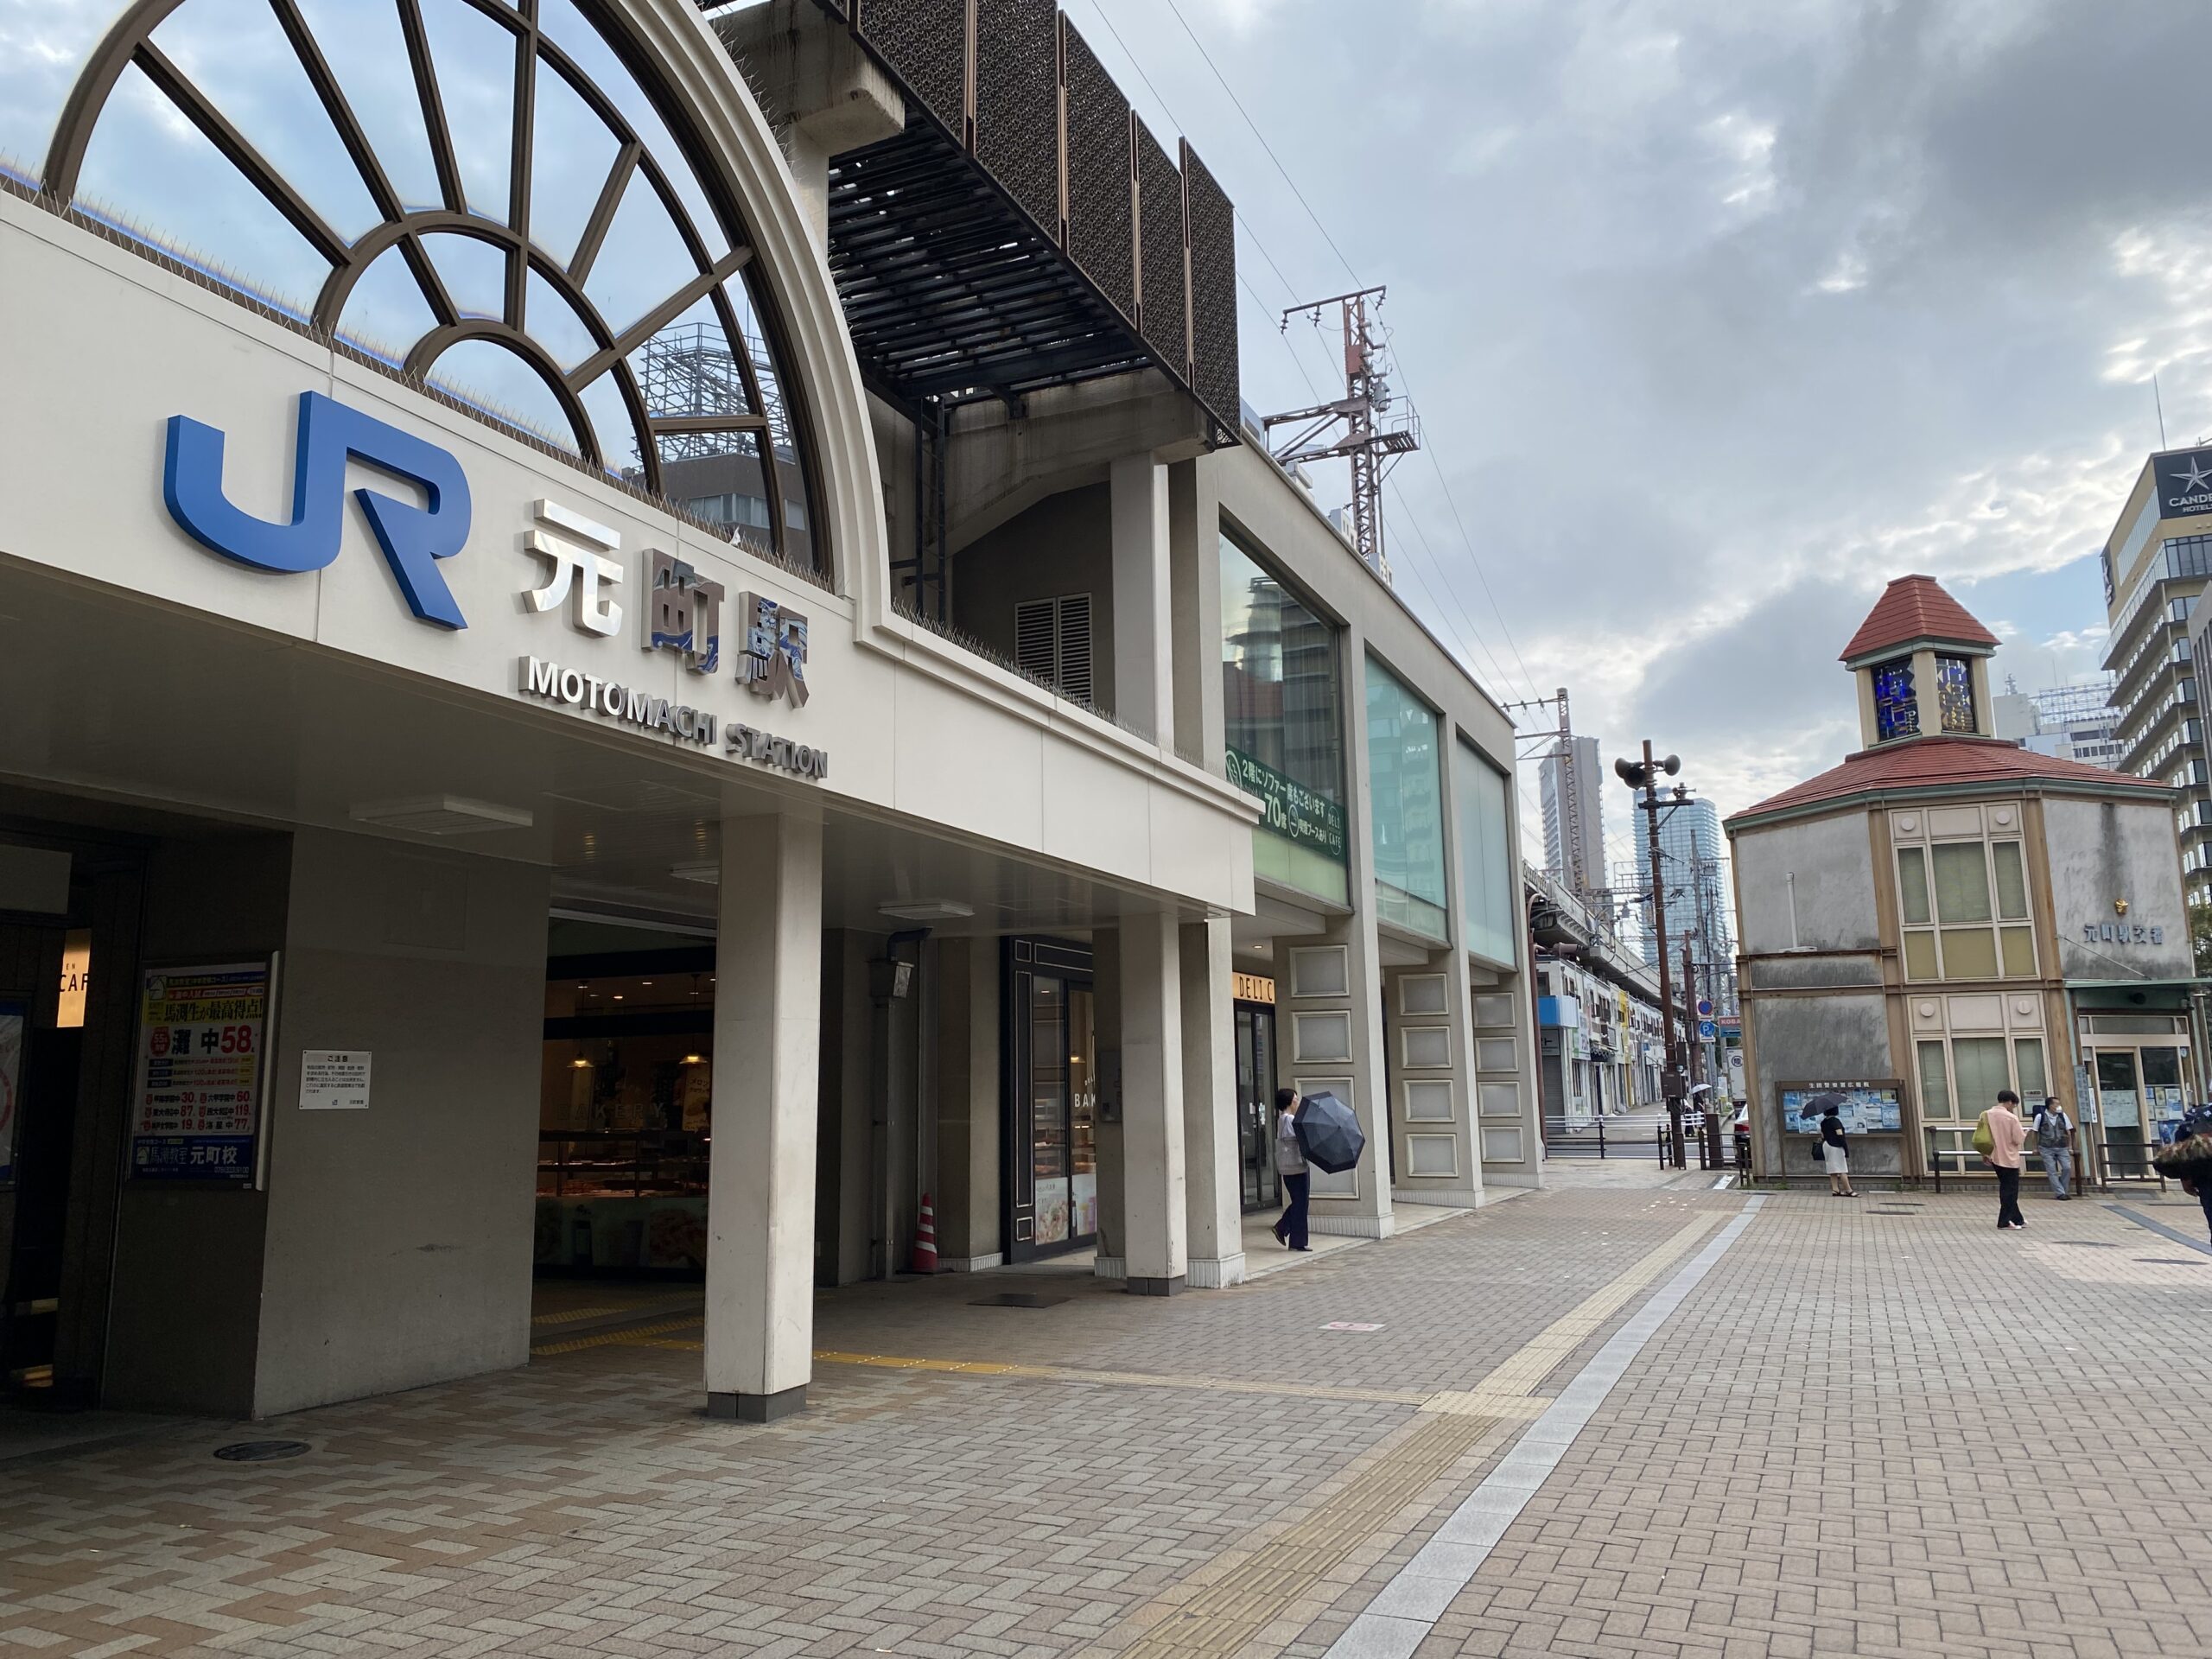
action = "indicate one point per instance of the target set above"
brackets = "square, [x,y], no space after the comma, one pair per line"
[1587,885]
[1360,426]
[690,370]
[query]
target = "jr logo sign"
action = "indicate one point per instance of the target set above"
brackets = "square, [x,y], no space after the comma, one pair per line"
[413,539]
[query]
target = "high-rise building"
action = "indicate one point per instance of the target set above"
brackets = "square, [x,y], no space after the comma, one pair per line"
[2155,562]
[1698,902]
[1576,861]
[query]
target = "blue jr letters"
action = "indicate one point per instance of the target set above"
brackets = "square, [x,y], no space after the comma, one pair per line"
[413,539]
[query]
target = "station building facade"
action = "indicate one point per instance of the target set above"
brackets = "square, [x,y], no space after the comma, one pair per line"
[575,710]
[1946,915]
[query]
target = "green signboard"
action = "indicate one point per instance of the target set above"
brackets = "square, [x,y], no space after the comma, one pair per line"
[1293,811]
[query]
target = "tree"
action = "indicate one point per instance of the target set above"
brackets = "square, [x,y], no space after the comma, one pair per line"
[2200,936]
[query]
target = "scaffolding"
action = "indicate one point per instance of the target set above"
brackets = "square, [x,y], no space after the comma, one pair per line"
[690,370]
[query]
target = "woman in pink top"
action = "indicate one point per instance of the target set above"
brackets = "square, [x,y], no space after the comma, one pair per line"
[2007,1135]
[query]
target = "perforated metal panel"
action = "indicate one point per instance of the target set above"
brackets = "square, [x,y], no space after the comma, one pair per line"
[1018,102]
[926,43]
[1100,201]
[1159,245]
[1212,220]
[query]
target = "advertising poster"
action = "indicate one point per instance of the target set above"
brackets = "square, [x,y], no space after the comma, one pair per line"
[1868,1109]
[197,1103]
[11,1082]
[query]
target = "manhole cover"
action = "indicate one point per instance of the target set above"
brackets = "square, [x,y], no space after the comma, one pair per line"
[262,1450]
[1017,1298]
[2171,1261]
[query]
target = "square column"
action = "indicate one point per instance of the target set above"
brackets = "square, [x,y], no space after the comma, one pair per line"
[1144,667]
[1214,1177]
[1156,1222]
[762,1172]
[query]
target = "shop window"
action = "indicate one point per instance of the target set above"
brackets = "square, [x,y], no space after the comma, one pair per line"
[1934,1083]
[1282,707]
[1490,897]
[1954,694]
[1948,895]
[626,1108]
[1897,710]
[1405,804]
[2027,1065]
[1052,644]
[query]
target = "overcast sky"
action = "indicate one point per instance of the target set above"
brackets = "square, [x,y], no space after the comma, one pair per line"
[1720,315]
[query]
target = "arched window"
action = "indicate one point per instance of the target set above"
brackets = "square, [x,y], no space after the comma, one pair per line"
[489,194]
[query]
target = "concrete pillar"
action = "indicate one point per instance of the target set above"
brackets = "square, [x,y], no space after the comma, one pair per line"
[967,1161]
[817,88]
[760,1193]
[1144,665]
[1109,1262]
[1334,1037]
[1155,1201]
[1193,535]
[1212,1173]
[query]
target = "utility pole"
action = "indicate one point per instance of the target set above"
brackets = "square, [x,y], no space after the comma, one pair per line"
[1369,436]
[1645,775]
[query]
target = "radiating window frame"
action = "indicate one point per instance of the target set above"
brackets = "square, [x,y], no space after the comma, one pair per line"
[128,42]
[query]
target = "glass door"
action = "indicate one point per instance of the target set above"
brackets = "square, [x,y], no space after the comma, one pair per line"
[1255,1092]
[1062,1142]
[2120,1109]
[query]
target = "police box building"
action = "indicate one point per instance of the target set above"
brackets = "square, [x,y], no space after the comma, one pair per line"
[636,638]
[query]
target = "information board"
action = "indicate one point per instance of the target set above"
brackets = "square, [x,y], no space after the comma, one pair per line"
[1864,1108]
[12,1016]
[196,1104]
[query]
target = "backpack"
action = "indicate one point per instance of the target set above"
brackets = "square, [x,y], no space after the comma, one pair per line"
[2051,1129]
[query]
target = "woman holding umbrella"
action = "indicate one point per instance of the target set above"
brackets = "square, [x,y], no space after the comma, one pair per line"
[1290,1164]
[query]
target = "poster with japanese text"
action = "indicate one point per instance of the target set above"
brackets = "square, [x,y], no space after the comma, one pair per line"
[197,1101]
[11,1083]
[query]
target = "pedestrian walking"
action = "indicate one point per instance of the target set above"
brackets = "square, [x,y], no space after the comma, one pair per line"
[1998,1137]
[1836,1154]
[2055,1146]
[1290,1164]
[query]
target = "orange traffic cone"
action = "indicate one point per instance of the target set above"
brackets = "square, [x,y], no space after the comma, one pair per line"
[925,1239]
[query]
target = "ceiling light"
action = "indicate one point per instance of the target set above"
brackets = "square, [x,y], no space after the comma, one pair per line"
[441,814]
[927,910]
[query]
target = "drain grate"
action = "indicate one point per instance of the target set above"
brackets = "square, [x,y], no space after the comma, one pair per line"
[2088,1243]
[262,1450]
[2171,1261]
[1017,1298]
[1892,1209]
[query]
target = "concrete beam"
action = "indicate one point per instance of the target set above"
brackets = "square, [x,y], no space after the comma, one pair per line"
[1001,463]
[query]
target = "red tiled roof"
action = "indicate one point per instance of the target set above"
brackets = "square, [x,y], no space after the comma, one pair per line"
[1916,607]
[1931,762]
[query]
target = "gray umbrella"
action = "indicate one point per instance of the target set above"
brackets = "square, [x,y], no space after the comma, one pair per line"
[1328,1131]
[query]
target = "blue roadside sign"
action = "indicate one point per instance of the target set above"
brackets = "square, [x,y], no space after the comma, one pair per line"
[1706,1029]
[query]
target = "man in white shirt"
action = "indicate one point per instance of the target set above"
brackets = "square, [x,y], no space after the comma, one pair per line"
[1290,1164]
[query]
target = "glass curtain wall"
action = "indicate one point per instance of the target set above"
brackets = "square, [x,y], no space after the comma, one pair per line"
[1406,799]
[1483,799]
[1283,712]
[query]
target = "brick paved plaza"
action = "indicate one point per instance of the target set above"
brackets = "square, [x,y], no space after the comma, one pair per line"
[1797,1460]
